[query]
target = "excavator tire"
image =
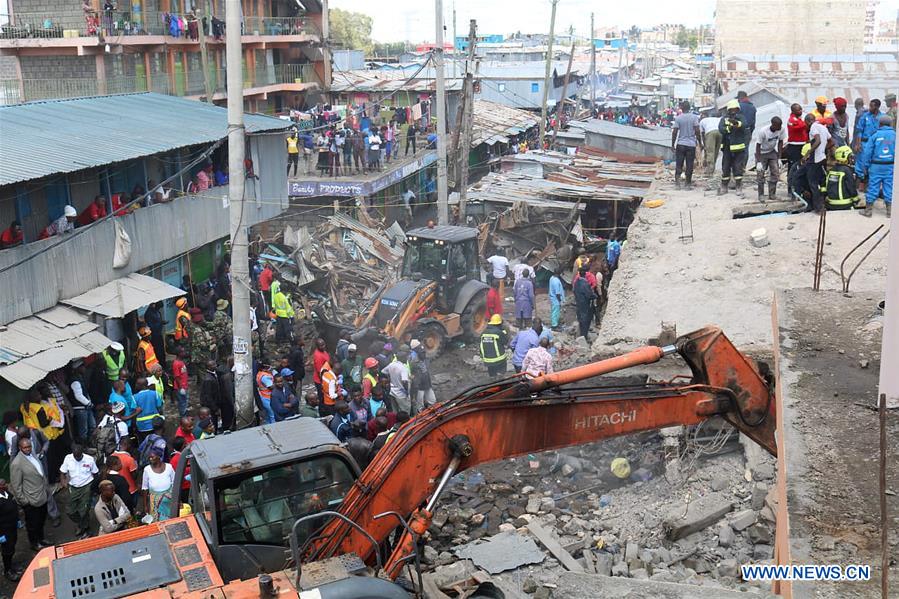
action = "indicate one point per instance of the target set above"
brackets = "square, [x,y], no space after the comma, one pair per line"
[433,339]
[474,317]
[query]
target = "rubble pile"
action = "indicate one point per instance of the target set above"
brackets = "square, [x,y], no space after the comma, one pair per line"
[586,518]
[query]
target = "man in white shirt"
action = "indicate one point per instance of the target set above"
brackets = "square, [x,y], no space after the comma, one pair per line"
[398,372]
[82,406]
[77,472]
[500,265]
[712,142]
[819,138]
[115,420]
[408,198]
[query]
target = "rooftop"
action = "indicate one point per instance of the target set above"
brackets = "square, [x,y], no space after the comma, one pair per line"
[495,122]
[653,135]
[62,136]
[449,233]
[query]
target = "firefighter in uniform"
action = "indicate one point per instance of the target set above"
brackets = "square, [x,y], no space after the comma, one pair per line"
[183,323]
[842,193]
[493,346]
[734,138]
[145,356]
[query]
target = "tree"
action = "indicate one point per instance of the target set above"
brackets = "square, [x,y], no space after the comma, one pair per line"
[350,30]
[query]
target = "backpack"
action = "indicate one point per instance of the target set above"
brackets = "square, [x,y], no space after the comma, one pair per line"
[104,441]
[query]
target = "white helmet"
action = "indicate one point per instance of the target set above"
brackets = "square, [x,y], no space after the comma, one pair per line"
[70,211]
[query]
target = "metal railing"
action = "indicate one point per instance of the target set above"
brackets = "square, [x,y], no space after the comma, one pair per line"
[190,83]
[279,26]
[24,25]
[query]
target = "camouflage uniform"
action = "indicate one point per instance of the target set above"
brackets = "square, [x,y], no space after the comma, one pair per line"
[222,332]
[200,341]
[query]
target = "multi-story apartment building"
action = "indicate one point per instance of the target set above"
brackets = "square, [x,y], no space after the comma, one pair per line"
[800,27]
[67,48]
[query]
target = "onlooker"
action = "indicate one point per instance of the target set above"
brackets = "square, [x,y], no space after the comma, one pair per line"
[320,357]
[400,381]
[494,301]
[62,225]
[525,339]
[149,407]
[210,391]
[685,138]
[111,512]
[769,143]
[524,298]
[94,211]
[77,473]
[867,125]
[29,486]
[342,422]
[283,401]
[748,110]
[797,136]
[421,376]
[556,297]
[374,150]
[711,138]
[352,367]
[156,486]
[840,126]
[12,236]
[310,407]
[81,404]
[538,361]
[820,140]
[180,381]
[111,471]
[584,296]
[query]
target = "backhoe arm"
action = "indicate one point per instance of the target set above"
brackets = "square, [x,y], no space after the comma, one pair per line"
[513,418]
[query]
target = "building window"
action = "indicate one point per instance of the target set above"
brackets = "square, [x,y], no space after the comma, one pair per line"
[535,87]
[502,87]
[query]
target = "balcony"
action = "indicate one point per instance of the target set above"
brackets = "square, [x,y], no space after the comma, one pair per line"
[41,30]
[281,77]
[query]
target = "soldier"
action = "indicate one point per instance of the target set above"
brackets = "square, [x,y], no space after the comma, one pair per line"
[202,346]
[221,328]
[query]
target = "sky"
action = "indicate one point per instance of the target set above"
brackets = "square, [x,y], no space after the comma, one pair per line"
[414,21]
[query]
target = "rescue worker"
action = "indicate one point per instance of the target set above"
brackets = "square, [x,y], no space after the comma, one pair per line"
[221,328]
[114,361]
[875,165]
[493,344]
[733,144]
[156,380]
[867,126]
[183,322]
[283,314]
[798,175]
[821,114]
[145,356]
[892,112]
[842,193]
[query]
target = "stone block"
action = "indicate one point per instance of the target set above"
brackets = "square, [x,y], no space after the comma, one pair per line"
[743,520]
[699,514]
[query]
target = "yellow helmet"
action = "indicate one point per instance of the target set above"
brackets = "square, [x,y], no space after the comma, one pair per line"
[496,319]
[732,105]
[842,154]
[806,149]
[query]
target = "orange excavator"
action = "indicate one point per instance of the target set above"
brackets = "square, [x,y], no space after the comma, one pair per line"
[283,510]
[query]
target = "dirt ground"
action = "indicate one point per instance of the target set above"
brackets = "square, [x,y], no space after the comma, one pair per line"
[830,357]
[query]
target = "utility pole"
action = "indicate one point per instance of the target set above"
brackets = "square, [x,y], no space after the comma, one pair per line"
[240,269]
[326,45]
[546,77]
[204,57]
[560,105]
[442,191]
[455,60]
[464,112]
[468,118]
[592,69]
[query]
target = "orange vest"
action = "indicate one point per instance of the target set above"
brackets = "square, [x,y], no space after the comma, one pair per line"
[181,329]
[327,377]
[264,392]
[149,355]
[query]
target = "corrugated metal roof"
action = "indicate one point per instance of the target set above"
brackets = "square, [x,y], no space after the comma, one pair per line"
[62,136]
[495,122]
[34,346]
[124,295]
[654,135]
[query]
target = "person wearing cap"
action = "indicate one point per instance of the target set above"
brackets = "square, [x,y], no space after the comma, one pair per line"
[369,376]
[352,367]
[821,114]
[264,384]
[110,510]
[12,236]
[734,138]
[221,328]
[748,110]
[842,193]
[875,165]
[62,225]
[145,355]
[892,112]
[820,140]
[839,128]
[114,361]
[284,402]
[492,346]
[80,401]
[183,321]
[867,125]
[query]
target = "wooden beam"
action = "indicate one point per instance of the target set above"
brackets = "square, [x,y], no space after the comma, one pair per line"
[549,541]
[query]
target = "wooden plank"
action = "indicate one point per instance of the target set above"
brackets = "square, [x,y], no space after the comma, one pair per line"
[549,541]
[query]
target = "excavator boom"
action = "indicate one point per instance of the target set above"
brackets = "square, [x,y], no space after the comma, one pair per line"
[520,416]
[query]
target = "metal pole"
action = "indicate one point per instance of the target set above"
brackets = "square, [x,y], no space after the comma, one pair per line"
[546,76]
[442,191]
[592,68]
[455,58]
[560,106]
[326,45]
[240,276]
[884,523]
[468,119]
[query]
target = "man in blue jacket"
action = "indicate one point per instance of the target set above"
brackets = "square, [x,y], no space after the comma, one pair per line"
[867,125]
[876,165]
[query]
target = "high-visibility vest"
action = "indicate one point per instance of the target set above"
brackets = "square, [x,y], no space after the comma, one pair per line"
[327,377]
[835,188]
[113,366]
[371,379]
[149,354]
[157,384]
[490,351]
[29,418]
[180,327]
[264,392]
[282,306]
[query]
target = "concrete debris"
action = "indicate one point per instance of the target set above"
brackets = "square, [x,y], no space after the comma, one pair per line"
[501,552]
[617,587]
[681,521]
[743,520]
[548,540]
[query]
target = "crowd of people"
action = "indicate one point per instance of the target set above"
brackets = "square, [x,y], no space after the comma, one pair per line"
[830,158]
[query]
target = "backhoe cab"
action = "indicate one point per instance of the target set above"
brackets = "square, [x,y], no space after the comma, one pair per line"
[440,295]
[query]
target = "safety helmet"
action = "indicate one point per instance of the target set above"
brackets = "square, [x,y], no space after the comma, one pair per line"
[842,154]
[70,211]
[806,149]
[732,105]
[496,319]
[181,302]
[144,331]
[370,362]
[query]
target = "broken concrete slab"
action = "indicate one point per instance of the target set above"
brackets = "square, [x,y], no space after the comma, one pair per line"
[615,587]
[501,552]
[548,540]
[743,520]
[681,520]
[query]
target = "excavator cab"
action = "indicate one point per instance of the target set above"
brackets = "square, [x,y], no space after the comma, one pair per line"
[446,255]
